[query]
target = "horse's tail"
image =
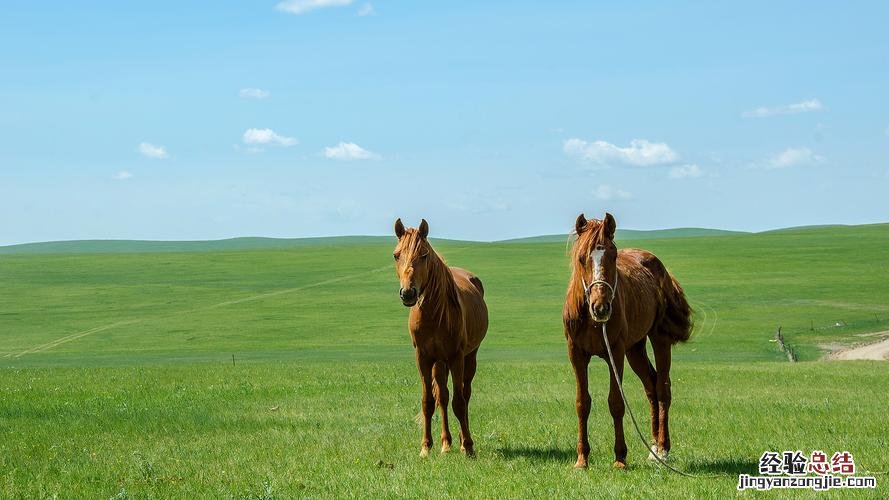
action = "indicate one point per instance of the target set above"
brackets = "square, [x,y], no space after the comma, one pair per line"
[676,321]
[418,418]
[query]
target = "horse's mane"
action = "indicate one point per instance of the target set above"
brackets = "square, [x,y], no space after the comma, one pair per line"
[583,245]
[440,294]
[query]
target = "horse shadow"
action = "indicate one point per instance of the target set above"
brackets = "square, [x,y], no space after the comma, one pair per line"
[551,454]
[727,466]
[720,466]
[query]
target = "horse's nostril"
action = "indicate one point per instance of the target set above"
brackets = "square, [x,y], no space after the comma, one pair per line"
[408,294]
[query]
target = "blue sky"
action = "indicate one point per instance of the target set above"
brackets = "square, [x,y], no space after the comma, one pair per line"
[203,120]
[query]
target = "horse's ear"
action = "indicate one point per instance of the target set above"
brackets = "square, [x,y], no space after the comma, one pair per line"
[424,228]
[399,228]
[580,224]
[610,225]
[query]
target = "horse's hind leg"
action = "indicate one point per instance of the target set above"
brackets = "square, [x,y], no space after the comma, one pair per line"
[461,408]
[662,356]
[469,363]
[639,362]
[440,375]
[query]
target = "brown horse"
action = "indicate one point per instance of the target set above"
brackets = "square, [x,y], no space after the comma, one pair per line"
[631,293]
[447,322]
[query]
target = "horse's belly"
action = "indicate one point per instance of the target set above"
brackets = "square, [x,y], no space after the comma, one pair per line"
[475,322]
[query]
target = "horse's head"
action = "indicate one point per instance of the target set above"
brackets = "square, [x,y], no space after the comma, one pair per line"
[595,260]
[411,261]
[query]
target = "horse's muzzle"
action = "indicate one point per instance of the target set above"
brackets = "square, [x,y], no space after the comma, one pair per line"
[409,296]
[601,314]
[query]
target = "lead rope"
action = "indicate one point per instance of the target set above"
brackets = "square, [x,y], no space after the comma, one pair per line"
[620,387]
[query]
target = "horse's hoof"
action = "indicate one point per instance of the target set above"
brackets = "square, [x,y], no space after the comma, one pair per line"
[619,464]
[445,447]
[424,452]
[468,451]
[660,453]
[580,464]
[653,453]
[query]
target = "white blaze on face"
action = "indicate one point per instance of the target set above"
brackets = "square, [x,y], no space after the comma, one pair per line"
[598,271]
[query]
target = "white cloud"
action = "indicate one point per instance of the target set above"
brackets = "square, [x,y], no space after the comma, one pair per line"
[122,175]
[606,192]
[302,6]
[349,151]
[366,10]
[267,137]
[253,93]
[152,151]
[792,157]
[689,171]
[790,109]
[640,152]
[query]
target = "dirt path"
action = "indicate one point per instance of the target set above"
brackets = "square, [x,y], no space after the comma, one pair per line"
[876,350]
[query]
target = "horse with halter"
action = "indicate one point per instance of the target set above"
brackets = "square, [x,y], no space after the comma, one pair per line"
[447,322]
[629,296]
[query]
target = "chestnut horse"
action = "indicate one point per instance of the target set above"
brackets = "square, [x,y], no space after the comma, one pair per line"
[447,323]
[631,295]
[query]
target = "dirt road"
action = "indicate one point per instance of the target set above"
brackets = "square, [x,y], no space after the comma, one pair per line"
[876,350]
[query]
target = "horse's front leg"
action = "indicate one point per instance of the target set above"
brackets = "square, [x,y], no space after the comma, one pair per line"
[461,407]
[580,360]
[616,405]
[427,403]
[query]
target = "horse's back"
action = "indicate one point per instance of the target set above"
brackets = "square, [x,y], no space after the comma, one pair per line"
[475,311]
[642,259]
[648,275]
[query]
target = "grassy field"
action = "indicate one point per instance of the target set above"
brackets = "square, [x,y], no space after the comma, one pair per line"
[266,370]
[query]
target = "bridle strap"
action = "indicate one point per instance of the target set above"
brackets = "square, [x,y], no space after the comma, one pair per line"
[588,288]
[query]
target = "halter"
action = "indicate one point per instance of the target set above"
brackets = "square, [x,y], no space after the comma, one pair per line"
[588,288]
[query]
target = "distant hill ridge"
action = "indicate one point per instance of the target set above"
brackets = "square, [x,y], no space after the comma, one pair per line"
[636,234]
[257,243]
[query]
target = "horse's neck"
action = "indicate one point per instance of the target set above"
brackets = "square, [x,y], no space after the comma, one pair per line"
[438,297]
[441,283]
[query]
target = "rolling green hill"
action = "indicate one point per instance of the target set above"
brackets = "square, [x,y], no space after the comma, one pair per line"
[255,302]
[256,243]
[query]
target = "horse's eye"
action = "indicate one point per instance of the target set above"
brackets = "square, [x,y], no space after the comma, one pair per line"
[424,255]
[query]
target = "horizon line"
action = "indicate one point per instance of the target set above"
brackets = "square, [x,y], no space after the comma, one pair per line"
[331,236]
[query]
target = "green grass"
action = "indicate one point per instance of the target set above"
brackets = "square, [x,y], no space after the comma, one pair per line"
[117,372]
